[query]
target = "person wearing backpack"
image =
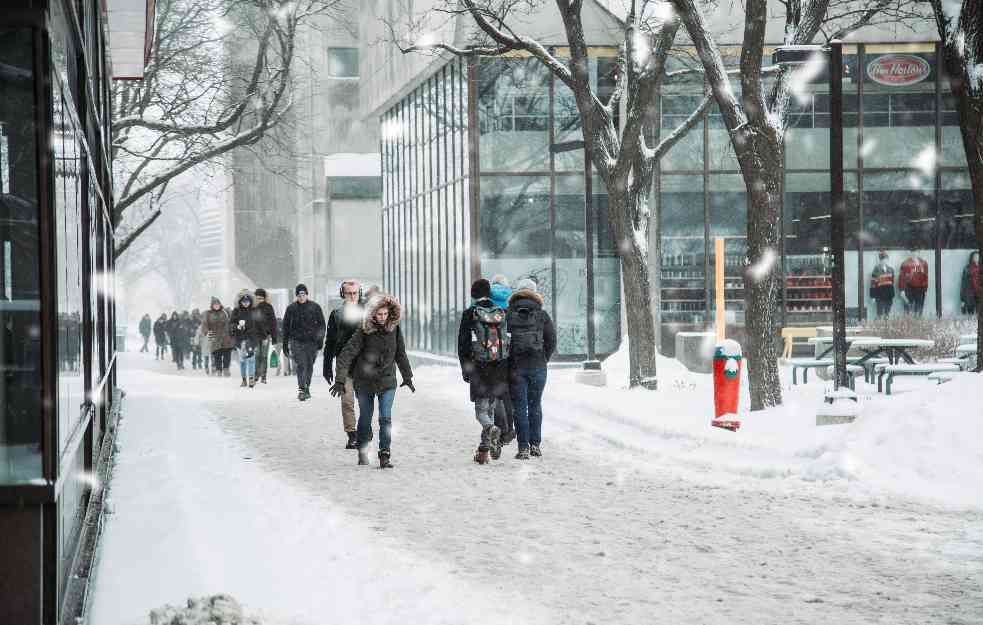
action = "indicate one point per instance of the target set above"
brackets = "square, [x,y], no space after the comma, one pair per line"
[483,351]
[532,342]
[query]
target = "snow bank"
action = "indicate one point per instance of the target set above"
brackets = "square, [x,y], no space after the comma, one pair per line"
[925,441]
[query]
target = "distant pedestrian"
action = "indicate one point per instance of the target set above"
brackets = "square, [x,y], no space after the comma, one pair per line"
[269,333]
[532,344]
[284,362]
[216,325]
[371,358]
[343,322]
[483,351]
[160,336]
[194,334]
[303,337]
[249,329]
[146,328]
[175,336]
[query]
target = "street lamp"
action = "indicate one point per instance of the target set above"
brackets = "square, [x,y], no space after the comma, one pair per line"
[790,56]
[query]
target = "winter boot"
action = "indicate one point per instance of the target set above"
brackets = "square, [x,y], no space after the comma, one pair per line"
[263,379]
[534,451]
[243,385]
[523,454]
[300,394]
[481,456]
[495,442]
[307,393]
[352,441]
[363,456]
[384,462]
[252,382]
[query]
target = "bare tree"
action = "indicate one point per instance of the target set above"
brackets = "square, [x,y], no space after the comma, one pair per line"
[219,78]
[961,31]
[621,156]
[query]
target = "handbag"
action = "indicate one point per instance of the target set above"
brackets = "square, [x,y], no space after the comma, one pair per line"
[274,360]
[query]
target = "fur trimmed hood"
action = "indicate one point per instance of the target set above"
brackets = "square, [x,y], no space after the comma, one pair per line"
[526,294]
[377,302]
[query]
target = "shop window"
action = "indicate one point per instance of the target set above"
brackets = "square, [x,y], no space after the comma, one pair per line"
[20,328]
[513,114]
[958,240]
[343,62]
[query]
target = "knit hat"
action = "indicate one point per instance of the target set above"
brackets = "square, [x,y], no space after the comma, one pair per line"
[301,288]
[260,292]
[526,284]
[480,289]
[500,279]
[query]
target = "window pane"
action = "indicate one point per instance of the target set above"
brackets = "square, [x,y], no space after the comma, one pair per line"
[960,265]
[727,196]
[513,114]
[20,341]
[681,215]
[515,229]
[343,62]
[607,276]
[899,109]
[570,293]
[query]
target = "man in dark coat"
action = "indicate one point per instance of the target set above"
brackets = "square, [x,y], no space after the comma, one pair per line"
[342,324]
[483,353]
[532,345]
[303,337]
[160,336]
[265,308]
[175,334]
[371,358]
[146,326]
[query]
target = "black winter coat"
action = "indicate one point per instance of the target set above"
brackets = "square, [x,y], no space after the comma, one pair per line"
[177,333]
[303,323]
[269,320]
[524,302]
[341,328]
[373,353]
[488,380]
[254,327]
[160,331]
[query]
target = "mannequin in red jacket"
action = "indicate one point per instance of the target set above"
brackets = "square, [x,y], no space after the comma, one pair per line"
[913,282]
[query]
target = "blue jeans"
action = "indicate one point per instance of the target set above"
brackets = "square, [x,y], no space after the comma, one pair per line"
[366,406]
[527,402]
[247,364]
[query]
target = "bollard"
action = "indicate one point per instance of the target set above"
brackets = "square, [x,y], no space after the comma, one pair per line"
[727,359]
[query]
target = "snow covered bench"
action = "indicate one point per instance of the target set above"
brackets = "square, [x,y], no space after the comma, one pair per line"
[963,362]
[870,364]
[853,372]
[889,372]
[805,365]
[941,377]
[966,350]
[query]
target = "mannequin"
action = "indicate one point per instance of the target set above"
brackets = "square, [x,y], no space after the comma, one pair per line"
[971,287]
[882,285]
[913,282]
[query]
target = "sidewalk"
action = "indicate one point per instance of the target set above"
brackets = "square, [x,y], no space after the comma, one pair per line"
[220,489]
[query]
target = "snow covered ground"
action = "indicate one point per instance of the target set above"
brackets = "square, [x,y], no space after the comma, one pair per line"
[638,513]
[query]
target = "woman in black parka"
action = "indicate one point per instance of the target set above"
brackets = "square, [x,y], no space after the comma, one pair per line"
[370,357]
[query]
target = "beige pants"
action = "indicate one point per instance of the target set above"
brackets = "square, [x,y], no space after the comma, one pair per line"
[348,406]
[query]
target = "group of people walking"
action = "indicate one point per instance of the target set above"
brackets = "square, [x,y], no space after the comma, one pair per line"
[505,341]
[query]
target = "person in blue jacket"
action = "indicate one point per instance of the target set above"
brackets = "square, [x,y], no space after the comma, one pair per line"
[501,291]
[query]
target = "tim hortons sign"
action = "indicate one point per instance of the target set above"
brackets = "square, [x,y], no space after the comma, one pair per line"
[897,70]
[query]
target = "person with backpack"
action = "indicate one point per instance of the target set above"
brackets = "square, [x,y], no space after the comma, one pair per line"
[146,326]
[371,357]
[342,325]
[533,341]
[504,417]
[303,337]
[483,351]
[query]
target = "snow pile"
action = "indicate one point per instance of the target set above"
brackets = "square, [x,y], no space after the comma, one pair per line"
[920,442]
[213,610]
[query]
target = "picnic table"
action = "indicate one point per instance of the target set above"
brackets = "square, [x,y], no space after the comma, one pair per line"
[895,350]
[968,338]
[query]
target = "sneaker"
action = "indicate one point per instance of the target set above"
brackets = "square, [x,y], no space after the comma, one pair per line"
[363,456]
[481,456]
[243,385]
[252,382]
[384,462]
[534,451]
[352,441]
[523,454]
[263,379]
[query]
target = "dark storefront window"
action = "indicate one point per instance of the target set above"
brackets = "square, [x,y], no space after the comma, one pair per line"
[20,338]
[570,250]
[958,242]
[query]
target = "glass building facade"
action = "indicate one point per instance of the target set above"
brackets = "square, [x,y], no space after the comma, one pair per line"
[484,175]
[906,182]
[56,311]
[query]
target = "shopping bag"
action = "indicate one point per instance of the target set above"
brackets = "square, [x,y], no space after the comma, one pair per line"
[274,359]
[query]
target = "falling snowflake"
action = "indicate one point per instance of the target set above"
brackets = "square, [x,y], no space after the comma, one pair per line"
[804,75]
[926,161]
[761,269]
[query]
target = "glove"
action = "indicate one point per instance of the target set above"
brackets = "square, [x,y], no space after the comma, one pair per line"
[337,389]
[242,324]
[467,378]
[328,376]
[408,383]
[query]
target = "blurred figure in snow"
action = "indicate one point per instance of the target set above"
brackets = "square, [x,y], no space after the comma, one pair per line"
[160,336]
[146,327]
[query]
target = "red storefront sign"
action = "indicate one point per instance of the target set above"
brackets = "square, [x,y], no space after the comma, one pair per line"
[897,70]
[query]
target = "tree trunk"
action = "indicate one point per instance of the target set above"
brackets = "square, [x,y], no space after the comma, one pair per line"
[761,163]
[633,250]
